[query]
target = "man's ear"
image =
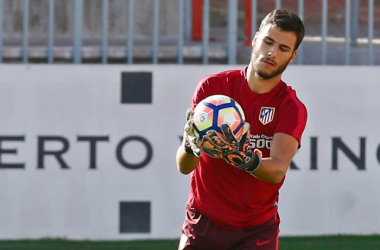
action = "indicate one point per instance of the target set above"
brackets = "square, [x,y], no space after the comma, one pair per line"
[293,56]
[254,39]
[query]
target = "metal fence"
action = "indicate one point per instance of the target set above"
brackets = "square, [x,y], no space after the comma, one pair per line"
[229,48]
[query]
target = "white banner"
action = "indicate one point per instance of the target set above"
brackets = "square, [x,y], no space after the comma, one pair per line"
[88,152]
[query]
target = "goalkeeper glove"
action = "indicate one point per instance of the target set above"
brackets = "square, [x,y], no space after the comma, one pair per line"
[213,144]
[216,144]
[235,151]
[191,142]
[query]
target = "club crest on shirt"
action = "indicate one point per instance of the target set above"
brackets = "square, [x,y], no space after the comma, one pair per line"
[266,115]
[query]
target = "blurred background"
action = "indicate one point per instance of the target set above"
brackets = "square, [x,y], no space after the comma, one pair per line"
[93,95]
[338,32]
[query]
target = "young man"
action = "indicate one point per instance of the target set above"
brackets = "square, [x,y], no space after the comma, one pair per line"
[235,181]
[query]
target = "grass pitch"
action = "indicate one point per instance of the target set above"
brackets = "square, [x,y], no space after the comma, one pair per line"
[286,243]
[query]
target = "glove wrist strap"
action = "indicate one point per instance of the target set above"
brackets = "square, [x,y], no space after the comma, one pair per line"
[188,149]
[255,163]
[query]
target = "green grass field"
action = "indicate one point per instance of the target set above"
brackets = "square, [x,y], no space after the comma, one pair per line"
[286,243]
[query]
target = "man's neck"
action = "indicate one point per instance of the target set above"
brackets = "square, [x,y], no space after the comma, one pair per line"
[259,85]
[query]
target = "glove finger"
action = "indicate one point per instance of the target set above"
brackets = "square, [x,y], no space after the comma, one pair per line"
[188,126]
[226,130]
[189,129]
[193,139]
[258,152]
[189,114]
[244,132]
[215,137]
[255,160]
[246,127]
[211,142]
[236,158]
[196,151]
[210,150]
[210,133]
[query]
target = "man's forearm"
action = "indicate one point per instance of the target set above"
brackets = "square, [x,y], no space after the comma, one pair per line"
[186,162]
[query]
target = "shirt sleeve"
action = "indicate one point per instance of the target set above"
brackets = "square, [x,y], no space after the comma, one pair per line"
[206,87]
[292,120]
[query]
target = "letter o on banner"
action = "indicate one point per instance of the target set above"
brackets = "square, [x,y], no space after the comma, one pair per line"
[142,164]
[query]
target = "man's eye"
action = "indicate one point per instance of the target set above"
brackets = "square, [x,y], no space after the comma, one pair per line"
[284,49]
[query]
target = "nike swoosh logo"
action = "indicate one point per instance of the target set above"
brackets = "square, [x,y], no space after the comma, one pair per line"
[260,243]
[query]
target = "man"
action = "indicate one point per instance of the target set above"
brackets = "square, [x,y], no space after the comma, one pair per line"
[235,181]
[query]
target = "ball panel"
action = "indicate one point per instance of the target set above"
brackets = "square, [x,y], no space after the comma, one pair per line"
[217,100]
[203,118]
[238,132]
[215,110]
[229,116]
[240,110]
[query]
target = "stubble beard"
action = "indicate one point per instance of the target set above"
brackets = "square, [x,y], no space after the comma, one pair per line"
[255,60]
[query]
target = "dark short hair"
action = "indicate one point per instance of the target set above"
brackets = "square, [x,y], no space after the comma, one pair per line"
[286,20]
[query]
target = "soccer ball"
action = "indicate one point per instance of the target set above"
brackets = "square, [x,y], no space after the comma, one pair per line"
[215,110]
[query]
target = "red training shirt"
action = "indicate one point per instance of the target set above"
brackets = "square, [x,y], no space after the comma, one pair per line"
[232,198]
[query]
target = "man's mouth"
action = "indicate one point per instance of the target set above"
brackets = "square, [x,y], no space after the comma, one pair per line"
[269,61]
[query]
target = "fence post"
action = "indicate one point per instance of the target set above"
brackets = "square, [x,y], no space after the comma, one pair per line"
[180,31]
[25,36]
[205,30]
[78,16]
[347,31]
[129,52]
[156,20]
[232,31]
[354,22]
[104,50]
[50,48]
[371,10]
[324,30]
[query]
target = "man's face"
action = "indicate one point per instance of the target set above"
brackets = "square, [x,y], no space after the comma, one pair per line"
[273,50]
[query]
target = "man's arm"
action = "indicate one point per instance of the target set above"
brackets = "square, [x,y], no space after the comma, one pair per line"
[274,167]
[188,153]
[186,162]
